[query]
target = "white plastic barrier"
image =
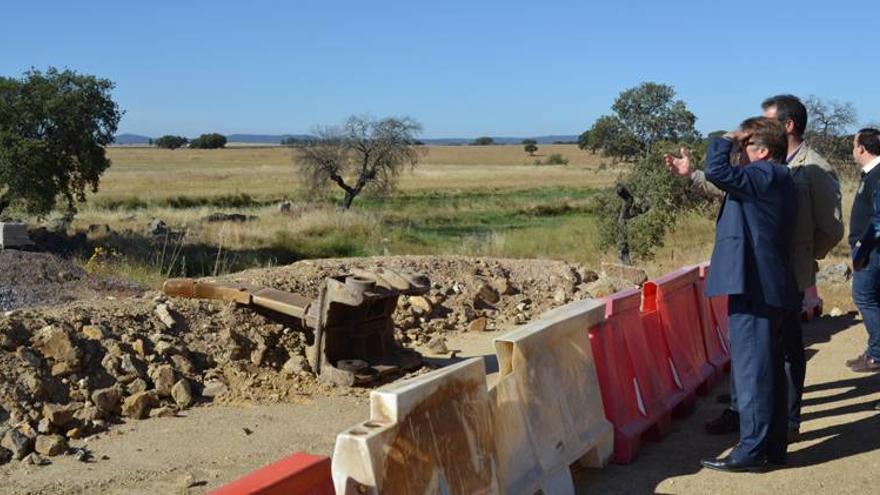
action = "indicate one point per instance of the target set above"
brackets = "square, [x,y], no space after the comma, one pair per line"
[427,435]
[547,406]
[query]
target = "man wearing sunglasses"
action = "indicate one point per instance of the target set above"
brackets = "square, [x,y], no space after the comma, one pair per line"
[818,228]
[750,265]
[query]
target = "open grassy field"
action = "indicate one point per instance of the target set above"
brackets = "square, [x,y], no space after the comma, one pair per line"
[269,174]
[476,200]
[471,200]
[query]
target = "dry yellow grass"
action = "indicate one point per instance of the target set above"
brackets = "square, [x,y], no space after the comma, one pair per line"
[269,173]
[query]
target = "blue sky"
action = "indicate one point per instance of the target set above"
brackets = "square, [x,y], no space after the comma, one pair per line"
[462,69]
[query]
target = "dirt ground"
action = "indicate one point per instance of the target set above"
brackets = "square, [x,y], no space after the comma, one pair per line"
[206,446]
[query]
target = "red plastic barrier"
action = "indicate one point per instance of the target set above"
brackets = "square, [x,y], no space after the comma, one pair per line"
[299,474]
[634,395]
[678,304]
[715,337]
[812,306]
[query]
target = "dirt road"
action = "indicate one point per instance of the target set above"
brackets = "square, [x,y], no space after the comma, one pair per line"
[837,452]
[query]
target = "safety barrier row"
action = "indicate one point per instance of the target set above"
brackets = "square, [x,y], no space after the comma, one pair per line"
[583,384]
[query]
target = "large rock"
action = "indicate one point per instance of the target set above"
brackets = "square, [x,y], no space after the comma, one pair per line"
[421,305]
[485,295]
[54,343]
[107,400]
[138,405]
[16,442]
[51,445]
[57,414]
[181,392]
[164,315]
[163,378]
[633,275]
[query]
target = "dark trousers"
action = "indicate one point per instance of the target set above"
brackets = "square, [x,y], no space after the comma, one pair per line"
[758,364]
[866,295]
[795,367]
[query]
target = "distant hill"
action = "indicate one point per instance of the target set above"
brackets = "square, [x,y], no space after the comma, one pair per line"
[262,138]
[130,139]
[503,140]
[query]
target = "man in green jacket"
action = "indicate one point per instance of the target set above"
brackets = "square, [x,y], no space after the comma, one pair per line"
[818,228]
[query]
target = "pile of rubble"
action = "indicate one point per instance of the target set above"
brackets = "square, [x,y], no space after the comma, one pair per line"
[73,370]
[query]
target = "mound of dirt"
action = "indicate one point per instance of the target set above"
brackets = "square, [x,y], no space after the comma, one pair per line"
[35,279]
[74,369]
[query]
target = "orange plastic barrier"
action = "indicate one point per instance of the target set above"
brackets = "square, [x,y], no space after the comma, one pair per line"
[299,474]
[812,306]
[715,337]
[637,399]
[678,305]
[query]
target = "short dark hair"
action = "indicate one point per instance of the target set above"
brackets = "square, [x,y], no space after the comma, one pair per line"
[869,137]
[769,133]
[789,107]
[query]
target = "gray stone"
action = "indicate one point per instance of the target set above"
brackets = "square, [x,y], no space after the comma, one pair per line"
[16,442]
[214,388]
[165,315]
[437,345]
[107,400]
[51,445]
[162,412]
[182,393]
[130,365]
[163,378]
[486,294]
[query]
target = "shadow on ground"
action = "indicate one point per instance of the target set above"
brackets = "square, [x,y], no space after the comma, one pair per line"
[679,453]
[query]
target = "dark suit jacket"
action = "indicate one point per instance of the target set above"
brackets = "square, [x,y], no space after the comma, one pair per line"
[870,238]
[754,229]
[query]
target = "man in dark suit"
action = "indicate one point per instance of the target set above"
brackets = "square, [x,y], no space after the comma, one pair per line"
[750,264]
[863,239]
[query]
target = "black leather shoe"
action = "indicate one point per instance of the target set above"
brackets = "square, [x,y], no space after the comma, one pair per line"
[728,422]
[728,465]
[794,434]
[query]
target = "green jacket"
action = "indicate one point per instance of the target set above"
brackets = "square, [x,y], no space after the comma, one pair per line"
[819,222]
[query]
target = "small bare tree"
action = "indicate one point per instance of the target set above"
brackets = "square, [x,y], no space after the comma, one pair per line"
[828,126]
[361,154]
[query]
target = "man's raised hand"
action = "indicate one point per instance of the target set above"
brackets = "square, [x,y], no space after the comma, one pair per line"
[682,166]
